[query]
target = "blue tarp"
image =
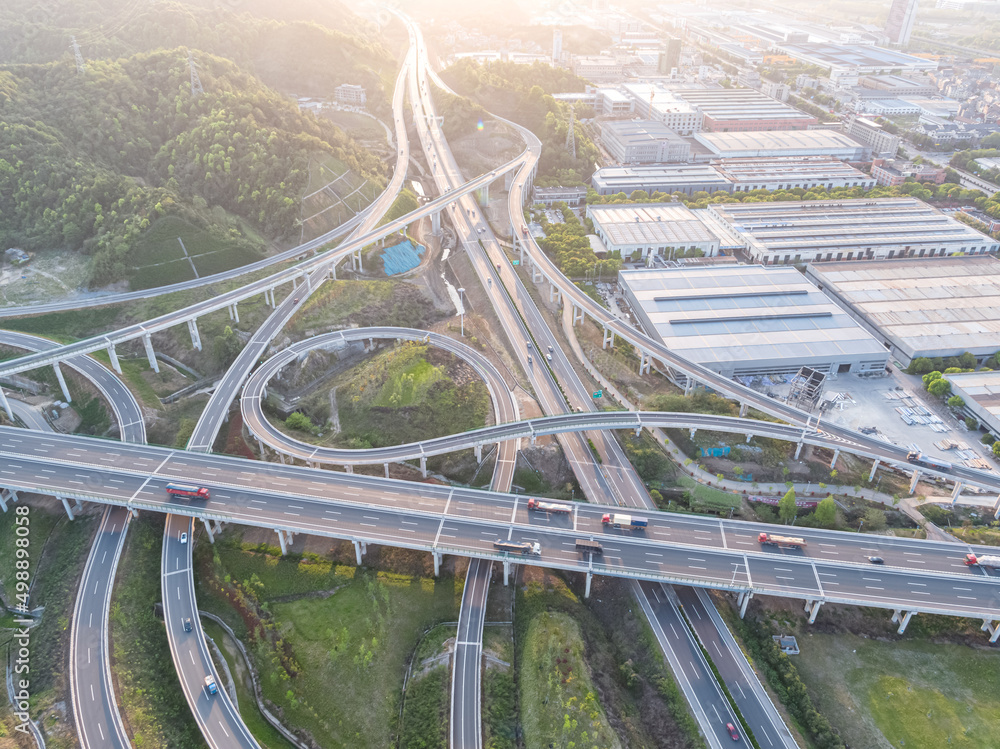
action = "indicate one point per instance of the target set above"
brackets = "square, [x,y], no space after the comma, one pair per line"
[401,257]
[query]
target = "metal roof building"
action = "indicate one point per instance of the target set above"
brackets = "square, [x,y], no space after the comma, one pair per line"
[863,229]
[747,320]
[921,308]
[981,393]
[788,172]
[651,229]
[817,142]
[683,178]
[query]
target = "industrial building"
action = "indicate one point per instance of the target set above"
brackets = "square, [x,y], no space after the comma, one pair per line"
[746,321]
[784,143]
[790,172]
[882,143]
[981,393]
[683,178]
[855,59]
[731,110]
[639,231]
[653,102]
[643,142]
[863,229]
[921,308]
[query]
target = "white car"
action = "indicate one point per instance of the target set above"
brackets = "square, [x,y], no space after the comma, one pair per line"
[184,538]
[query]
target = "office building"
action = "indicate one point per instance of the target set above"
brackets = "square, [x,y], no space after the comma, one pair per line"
[881,142]
[638,231]
[610,102]
[683,178]
[889,172]
[747,321]
[899,24]
[600,68]
[550,195]
[921,308]
[556,46]
[653,102]
[670,56]
[779,91]
[350,95]
[833,230]
[783,143]
[643,142]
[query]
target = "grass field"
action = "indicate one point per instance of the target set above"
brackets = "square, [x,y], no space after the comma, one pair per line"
[356,125]
[913,694]
[707,497]
[558,699]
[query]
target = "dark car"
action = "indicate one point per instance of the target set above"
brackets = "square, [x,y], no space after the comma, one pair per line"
[187,624]
[876,560]
[733,733]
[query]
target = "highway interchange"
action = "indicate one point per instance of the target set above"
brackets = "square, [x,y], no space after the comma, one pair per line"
[918,576]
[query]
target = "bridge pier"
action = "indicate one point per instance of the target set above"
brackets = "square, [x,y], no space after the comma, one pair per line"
[743,410]
[536,275]
[993,629]
[281,541]
[688,387]
[577,314]
[147,341]
[744,601]
[423,466]
[333,272]
[609,337]
[586,589]
[360,548]
[65,504]
[812,608]
[798,450]
[874,468]
[193,330]
[62,382]
[436,223]
[693,432]
[386,465]
[833,462]
[437,563]
[903,617]
[996,509]
[645,363]
[506,572]
[281,457]
[208,529]
[956,491]
[913,481]
[6,404]
[478,450]
[555,294]
[7,495]
[113,355]
[349,468]
[234,312]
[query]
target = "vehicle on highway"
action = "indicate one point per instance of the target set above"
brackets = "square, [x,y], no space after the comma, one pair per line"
[876,560]
[529,358]
[733,733]
[589,546]
[210,685]
[982,560]
[558,507]
[922,460]
[551,349]
[184,537]
[187,490]
[549,357]
[625,522]
[520,548]
[187,624]
[481,230]
[528,344]
[782,542]
[295,300]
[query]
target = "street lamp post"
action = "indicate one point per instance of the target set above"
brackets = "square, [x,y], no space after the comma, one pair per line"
[461,297]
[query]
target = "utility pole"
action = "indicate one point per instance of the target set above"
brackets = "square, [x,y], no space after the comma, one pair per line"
[80,67]
[196,87]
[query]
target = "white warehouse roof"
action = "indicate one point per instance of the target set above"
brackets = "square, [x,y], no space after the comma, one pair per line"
[649,224]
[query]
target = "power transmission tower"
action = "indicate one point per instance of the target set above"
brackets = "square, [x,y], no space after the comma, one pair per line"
[80,67]
[196,87]
[570,134]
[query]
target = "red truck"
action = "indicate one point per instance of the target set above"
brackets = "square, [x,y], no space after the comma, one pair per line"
[983,560]
[782,542]
[536,504]
[627,522]
[186,490]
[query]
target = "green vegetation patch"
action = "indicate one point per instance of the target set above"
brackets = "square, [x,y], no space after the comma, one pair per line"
[343,304]
[152,703]
[558,700]
[425,712]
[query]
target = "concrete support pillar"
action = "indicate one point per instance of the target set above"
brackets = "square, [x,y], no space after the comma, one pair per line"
[113,355]
[694,431]
[956,491]
[295,285]
[358,551]
[234,312]
[833,461]
[688,386]
[281,541]
[6,404]
[749,437]
[349,468]
[555,295]
[913,481]
[506,572]
[281,457]
[532,438]
[744,601]
[743,410]
[993,629]
[483,193]
[645,362]
[423,466]
[386,469]
[62,382]
[478,450]
[3,502]
[798,450]
[437,563]
[996,509]
[609,337]
[360,265]
[577,314]
[536,274]
[903,617]
[333,271]
[436,223]
[147,341]
[306,282]
[65,504]
[812,608]
[135,512]
[874,468]
[193,330]
[586,589]
[208,529]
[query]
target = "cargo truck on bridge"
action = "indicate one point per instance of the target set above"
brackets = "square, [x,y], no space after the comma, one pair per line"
[626,522]
[782,542]
[589,546]
[983,560]
[923,460]
[519,548]
[187,490]
[559,507]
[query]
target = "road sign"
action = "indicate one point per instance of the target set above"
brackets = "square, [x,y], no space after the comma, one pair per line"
[516,262]
[598,393]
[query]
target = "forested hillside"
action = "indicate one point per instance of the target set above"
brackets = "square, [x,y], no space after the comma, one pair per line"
[88,161]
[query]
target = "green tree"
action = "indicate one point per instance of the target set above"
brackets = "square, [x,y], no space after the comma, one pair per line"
[930,377]
[786,507]
[826,512]
[227,347]
[921,365]
[996,449]
[875,519]
[940,387]
[299,421]
[956,401]
[971,423]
